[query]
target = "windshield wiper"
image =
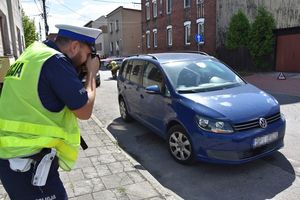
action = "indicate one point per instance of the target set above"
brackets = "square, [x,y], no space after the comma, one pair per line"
[182,91]
[187,91]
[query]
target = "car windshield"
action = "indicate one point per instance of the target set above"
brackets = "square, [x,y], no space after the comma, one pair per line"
[200,76]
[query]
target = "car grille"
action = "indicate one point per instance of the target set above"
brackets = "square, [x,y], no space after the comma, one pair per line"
[255,123]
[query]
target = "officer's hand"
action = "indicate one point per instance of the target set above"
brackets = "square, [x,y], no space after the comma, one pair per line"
[92,64]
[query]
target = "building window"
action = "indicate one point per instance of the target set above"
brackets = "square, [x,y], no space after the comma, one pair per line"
[117,48]
[169,35]
[200,27]
[148,39]
[187,32]
[110,27]
[169,6]
[155,38]
[117,25]
[187,3]
[147,11]
[200,8]
[111,48]
[154,4]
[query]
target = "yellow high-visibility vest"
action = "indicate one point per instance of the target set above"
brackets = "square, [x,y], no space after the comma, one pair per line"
[25,125]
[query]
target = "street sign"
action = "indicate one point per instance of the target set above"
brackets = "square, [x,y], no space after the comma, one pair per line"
[198,38]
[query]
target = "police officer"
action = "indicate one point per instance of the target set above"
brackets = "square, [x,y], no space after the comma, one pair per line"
[42,98]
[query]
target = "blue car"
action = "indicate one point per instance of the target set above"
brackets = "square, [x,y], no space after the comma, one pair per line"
[203,109]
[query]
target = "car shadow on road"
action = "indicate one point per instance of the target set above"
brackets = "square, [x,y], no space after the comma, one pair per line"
[258,180]
[284,99]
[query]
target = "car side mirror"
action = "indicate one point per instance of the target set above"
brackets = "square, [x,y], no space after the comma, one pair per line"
[153,89]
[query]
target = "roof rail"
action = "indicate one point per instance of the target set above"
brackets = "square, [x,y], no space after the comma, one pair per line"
[153,57]
[199,52]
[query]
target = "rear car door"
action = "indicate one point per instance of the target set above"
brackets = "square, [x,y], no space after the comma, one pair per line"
[134,86]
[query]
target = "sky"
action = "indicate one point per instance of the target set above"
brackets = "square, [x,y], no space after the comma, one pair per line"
[72,12]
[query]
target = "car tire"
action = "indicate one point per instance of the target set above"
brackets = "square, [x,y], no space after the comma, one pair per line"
[98,83]
[123,111]
[180,145]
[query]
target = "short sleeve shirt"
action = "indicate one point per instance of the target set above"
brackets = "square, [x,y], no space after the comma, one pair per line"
[59,85]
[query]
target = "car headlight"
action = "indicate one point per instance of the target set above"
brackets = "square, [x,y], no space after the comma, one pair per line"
[212,125]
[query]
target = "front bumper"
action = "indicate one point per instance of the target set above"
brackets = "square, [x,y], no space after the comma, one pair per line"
[237,148]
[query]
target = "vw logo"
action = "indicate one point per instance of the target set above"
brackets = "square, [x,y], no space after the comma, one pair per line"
[263,122]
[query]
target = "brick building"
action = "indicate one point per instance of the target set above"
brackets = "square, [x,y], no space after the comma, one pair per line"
[171,25]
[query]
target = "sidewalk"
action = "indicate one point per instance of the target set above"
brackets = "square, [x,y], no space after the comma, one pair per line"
[270,83]
[105,172]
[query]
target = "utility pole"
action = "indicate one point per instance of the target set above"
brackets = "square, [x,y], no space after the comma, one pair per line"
[40,32]
[45,18]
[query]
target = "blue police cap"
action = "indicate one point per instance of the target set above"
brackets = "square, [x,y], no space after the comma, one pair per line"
[83,34]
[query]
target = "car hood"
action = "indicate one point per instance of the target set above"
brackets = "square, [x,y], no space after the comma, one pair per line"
[238,104]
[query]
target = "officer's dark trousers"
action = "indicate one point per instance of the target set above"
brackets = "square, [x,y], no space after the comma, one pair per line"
[18,184]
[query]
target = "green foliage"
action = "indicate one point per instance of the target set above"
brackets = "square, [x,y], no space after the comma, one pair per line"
[238,34]
[262,38]
[30,33]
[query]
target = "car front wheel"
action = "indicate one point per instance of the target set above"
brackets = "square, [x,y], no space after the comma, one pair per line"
[123,111]
[180,145]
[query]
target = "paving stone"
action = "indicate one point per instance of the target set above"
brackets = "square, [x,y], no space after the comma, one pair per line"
[94,137]
[90,172]
[116,167]
[76,175]
[116,180]
[135,176]
[120,156]
[157,198]
[102,170]
[105,159]
[64,176]
[137,191]
[91,151]
[103,150]
[95,161]
[69,189]
[128,166]
[96,143]
[107,142]
[113,149]
[105,195]
[83,162]
[120,193]
[98,185]
[83,187]
[81,154]
[85,197]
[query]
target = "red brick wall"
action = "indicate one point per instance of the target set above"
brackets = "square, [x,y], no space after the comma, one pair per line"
[177,18]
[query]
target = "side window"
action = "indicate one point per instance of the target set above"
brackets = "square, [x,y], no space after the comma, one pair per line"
[136,71]
[152,76]
[128,70]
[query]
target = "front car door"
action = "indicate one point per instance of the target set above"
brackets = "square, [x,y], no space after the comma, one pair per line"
[154,107]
